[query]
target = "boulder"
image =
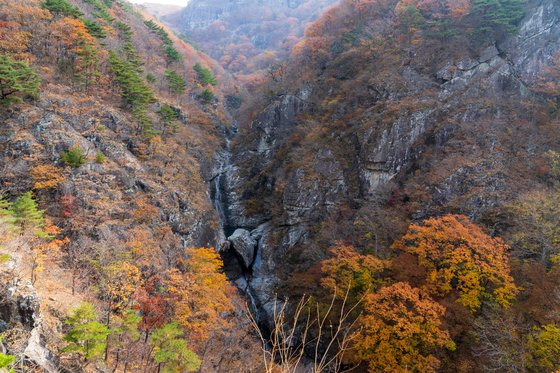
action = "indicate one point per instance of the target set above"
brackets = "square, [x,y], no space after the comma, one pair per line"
[244,245]
[488,53]
[37,352]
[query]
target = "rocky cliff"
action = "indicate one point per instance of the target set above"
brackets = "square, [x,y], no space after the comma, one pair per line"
[325,162]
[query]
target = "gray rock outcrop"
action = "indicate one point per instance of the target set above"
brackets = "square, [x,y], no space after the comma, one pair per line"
[244,245]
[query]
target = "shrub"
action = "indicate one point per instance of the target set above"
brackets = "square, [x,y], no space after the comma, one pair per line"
[151,78]
[73,157]
[3,259]
[46,176]
[100,158]
[6,361]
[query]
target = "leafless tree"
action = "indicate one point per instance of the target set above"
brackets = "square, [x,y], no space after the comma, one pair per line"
[308,330]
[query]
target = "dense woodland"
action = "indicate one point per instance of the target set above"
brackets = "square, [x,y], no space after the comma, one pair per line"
[109,127]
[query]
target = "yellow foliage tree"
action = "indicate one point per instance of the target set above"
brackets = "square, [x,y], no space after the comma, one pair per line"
[348,268]
[199,293]
[46,176]
[121,279]
[401,330]
[458,256]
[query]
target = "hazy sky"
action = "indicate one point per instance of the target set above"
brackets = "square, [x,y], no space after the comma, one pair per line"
[175,2]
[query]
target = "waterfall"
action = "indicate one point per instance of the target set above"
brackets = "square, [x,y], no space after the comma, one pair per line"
[218,185]
[219,182]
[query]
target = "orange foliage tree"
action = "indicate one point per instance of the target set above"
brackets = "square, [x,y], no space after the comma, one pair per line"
[199,293]
[76,46]
[120,282]
[458,256]
[47,250]
[402,330]
[20,21]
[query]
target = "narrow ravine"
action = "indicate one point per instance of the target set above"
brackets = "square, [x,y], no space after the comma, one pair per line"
[238,268]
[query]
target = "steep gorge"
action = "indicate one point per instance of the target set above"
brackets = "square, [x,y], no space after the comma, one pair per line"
[385,113]
[316,166]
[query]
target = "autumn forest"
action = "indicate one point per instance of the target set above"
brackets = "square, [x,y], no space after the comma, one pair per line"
[280,186]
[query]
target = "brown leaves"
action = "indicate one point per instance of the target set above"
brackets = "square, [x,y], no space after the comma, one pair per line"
[46,176]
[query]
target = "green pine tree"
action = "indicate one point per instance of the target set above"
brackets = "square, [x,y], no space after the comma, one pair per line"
[204,75]
[63,7]
[17,80]
[73,157]
[25,213]
[95,29]
[132,56]
[497,17]
[134,89]
[207,96]
[171,351]
[87,337]
[4,206]
[172,54]
[168,116]
[176,82]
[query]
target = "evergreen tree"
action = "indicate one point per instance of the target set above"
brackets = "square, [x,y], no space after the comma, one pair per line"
[497,17]
[134,90]
[73,157]
[95,29]
[204,75]
[63,7]
[132,56]
[124,332]
[24,211]
[172,54]
[207,96]
[171,352]
[168,116]
[4,206]
[87,336]
[17,80]
[176,82]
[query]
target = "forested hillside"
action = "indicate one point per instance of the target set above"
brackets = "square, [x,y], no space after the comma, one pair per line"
[363,185]
[109,125]
[408,152]
[246,37]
